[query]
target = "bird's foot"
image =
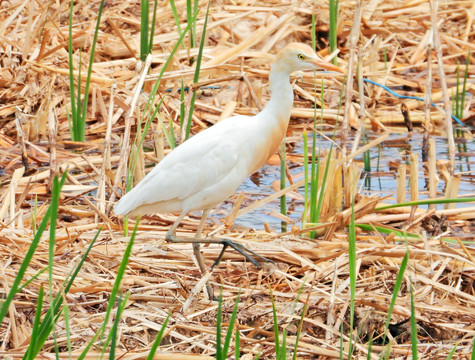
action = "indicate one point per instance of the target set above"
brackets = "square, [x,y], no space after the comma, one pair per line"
[244,251]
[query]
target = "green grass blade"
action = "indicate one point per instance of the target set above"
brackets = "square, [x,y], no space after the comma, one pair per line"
[24,265]
[133,163]
[182,105]
[158,339]
[314,33]
[152,30]
[55,308]
[302,317]
[427,202]
[89,70]
[67,328]
[114,291]
[196,77]
[73,117]
[219,318]
[451,354]
[283,349]
[229,333]
[33,278]
[237,345]
[112,338]
[190,20]
[283,198]
[79,104]
[144,25]
[385,230]
[176,17]
[149,105]
[352,265]
[413,325]
[305,171]
[464,87]
[397,286]
[342,351]
[333,27]
[276,326]
[323,185]
[456,98]
[370,348]
[37,321]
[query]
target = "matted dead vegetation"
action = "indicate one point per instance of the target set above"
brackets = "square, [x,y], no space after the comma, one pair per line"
[35,144]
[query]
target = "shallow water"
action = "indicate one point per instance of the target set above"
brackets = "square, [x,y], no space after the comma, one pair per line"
[379,182]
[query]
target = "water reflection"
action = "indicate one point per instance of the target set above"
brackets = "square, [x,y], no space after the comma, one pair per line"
[380,181]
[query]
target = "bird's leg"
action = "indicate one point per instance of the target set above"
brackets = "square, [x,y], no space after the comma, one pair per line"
[197,252]
[244,251]
[170,236]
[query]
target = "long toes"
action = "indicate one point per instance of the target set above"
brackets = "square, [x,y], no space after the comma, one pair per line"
[244,251]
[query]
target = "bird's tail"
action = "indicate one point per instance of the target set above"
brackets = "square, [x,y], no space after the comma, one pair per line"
[124,205]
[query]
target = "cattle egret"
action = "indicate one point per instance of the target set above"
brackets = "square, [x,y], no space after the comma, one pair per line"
[208,168]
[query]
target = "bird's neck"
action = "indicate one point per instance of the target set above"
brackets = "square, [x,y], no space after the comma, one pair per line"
[274,118]
[282,97]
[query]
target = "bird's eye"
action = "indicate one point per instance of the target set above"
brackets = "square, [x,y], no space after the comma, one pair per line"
[301,57]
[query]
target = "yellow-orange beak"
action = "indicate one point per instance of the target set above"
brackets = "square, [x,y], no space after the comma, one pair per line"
[319,62]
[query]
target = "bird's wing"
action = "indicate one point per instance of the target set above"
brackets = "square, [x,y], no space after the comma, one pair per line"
[196,164]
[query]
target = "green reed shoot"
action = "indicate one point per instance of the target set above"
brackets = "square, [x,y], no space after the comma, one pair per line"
[315,170]
[459,98]
[305,171]
[451,354]
[191,9]
[413,324]
[114,292]
[196,77]
[458,105]
[158,339]
[182,106]
[280,349]
[150,108]
[34,215]
[67,328]
[37,320]
[46,326]
[352,270]
[146,34]
[384,230]
[283,200]
[121,303]
[397,286]
[370,348]
[77,117]
[317,190]
[139,142]
[302,317]
[366,156]
[237,345]
[342,351]
[31,250]
[427,202]
[333,27]
[222,350]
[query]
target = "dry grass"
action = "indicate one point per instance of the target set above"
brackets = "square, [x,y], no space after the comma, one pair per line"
[35,144]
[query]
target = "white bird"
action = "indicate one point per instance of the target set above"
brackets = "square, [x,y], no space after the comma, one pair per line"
[208,168]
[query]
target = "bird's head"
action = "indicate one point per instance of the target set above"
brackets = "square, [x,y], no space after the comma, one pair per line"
[297,56]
